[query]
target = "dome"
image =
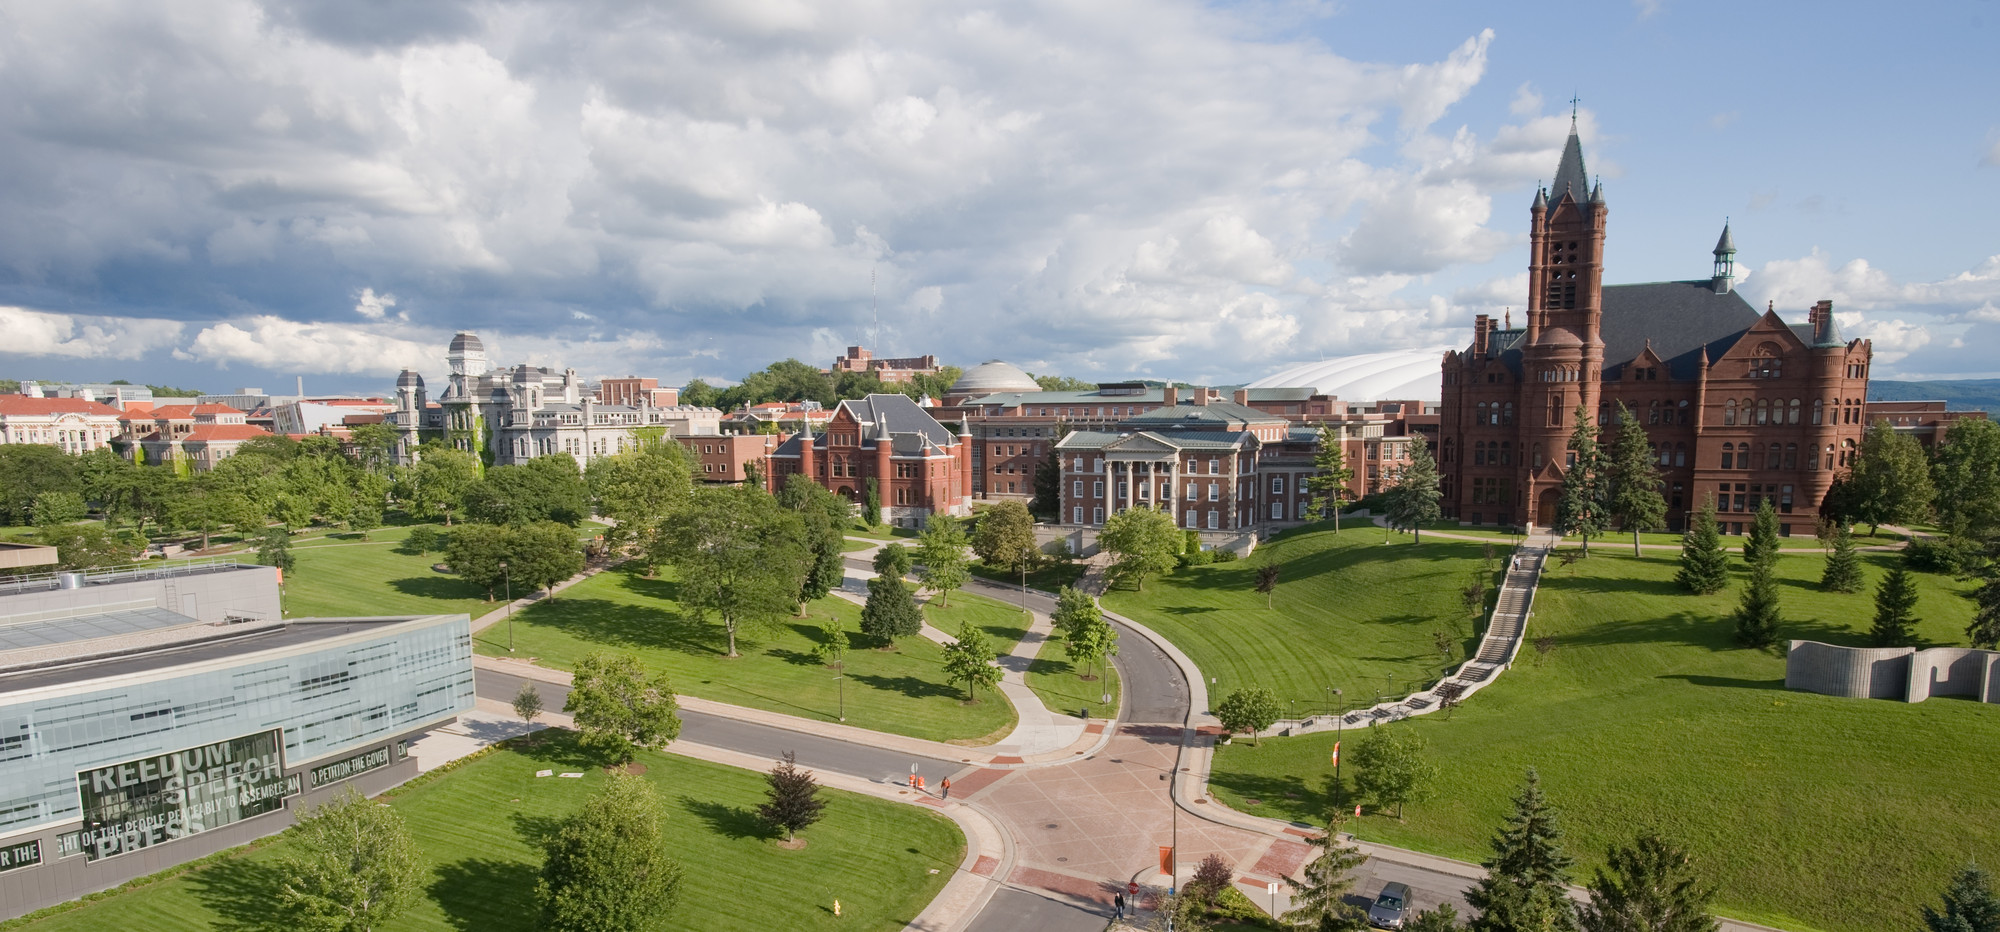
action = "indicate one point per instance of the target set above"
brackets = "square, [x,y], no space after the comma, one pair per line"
[993,376]
[465,342]
[409,379]
[1403,375]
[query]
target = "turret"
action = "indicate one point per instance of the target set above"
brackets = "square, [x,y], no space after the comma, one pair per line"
[1725,262]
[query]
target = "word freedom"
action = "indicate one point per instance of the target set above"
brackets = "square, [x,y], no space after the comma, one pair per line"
[155,799]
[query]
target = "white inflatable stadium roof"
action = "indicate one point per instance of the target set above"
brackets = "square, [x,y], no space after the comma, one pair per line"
[1406,375]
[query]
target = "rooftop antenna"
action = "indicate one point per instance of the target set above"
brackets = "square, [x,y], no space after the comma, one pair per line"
[875,332]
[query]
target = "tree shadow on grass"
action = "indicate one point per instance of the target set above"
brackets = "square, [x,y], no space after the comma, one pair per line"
[438,587]
[728,821]
[1281,795]
[242,894]
[1712,633]
[1727,682]
[907,685]
[478,894]
[559,749]
[602,621]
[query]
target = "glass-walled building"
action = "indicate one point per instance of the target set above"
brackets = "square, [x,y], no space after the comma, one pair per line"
[149,738]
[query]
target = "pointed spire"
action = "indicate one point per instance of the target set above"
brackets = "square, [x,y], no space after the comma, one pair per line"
[1541,198]
[1571,179]
[1597,192]
[1725,246]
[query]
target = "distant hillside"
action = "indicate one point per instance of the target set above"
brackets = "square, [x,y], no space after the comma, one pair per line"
[1958,395]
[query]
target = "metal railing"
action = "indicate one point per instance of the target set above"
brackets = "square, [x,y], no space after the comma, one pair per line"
[132,572]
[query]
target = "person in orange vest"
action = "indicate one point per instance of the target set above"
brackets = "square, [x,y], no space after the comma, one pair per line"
[946,787]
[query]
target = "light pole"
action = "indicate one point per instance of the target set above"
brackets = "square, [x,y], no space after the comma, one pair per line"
[509,581]
[1339,728]
[840,684]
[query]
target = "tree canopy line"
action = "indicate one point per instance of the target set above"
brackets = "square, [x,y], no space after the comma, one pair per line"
[791,381]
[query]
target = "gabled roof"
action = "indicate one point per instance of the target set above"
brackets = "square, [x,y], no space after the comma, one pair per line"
[25,406]
[186,412]
[902,416]
[223,433]
[1214,415]
[1220,441]
[1679,318]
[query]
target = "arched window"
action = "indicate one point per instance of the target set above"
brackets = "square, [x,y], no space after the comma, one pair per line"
[1763,411]
[1829,456]
[1681,452]
[1481,418]
[1507,413]
[1447,449]
[1538,456]
[1819,410]
[1506,453]
[1683,416]
[1847,452]
[1791,456]
[1771,459]
[1729,456]
[1729,413]
[1653,412]
[1666,454]
[1479,453]
[1793,416]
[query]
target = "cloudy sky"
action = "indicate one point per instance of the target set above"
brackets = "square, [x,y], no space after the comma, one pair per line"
[233,192]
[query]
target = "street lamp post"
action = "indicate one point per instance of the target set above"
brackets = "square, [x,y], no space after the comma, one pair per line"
[1339,728]
[840,683]
[509,581]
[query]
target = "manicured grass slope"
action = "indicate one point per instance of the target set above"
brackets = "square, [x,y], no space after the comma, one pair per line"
[1809,811]
[901,690]
[475,826]
[376,578]
[1349,613]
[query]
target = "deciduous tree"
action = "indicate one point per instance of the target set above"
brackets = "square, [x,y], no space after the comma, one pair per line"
[1004,538]
[436,485]
[1390,767]
[541,555]
[892,559]
[1142,542]
[791,798]
[824,517]
[637,489]
[476,552]
[57,507]
[739,556]
[1251,709]
[1704,566]
[277,549]
[941,551]
[1890,482]
[605,868]
[1267,582]
[1087,637]
[355,867]
[1634,479]
[969,660]
[1966,474]
[528,702]
[1652,887]
[618,710]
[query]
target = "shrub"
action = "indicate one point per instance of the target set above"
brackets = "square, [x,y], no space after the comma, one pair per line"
[1222,556]
[1197,557]
[1953,556]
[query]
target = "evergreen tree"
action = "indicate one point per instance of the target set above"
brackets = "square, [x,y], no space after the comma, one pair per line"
[969,660]
[1895,610]
[1704,567]
[791,798]
[1843,562]
[358,867]
[1319,899]
[891,611]
[1413,500]
[1326,488]
[1762,542]
[1969,905]
[1652,887]
[1442,919]
[1525,878]
[1757,616]
[1048,486]
[1581,511]
[1890,482]
[941,550]
[871,504]
[1634,479]
[605,868]
[1984,631]
[277,549]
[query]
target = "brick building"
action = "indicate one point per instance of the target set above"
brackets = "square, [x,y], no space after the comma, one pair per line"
[1739,406]
[1213,465]
[890,370]
[1928,421]
[725,458]
[920,465]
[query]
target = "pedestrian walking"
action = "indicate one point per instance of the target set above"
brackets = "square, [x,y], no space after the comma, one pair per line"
[1118,906]
[946,787]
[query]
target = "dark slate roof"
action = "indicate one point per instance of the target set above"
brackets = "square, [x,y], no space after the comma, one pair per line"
[1215,415]
[901,414]
[1282,394]
[1680,318]
[1725,244]
[1570,177]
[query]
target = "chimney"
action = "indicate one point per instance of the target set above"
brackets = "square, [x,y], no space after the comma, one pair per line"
[1481,326]
[1173,396]
[1242,397]
[1200,396]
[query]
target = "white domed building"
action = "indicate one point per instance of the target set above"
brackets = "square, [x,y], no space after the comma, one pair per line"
[1401,375]
[991,377]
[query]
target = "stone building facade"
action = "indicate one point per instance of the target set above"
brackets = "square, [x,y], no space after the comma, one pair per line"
[514,414]
[1739,406]
[73,425]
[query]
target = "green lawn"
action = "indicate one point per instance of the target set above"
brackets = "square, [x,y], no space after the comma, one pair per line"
[1047,579]
[855,546]
[881,531]
[1810,812]
[901,690]
[1054,678]
[376,578]
[1616,539]
[476,828]
[1350,613]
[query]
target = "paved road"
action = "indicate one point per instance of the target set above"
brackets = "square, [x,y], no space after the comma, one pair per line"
[1016,910]
[814,751]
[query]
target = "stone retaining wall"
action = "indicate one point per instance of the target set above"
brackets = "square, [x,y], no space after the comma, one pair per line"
[1903,673]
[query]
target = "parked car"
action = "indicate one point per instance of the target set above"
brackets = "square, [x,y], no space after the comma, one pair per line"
[1391,905]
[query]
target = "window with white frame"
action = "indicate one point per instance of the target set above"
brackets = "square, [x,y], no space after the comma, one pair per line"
[1213,516]
[1277,511]
[1097,515]
[1076,488]
[1215,491]
[1097,489]
[1277,485]
[1076,515]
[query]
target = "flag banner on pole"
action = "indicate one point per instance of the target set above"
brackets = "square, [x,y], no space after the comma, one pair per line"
[1336,753]
[1167,860]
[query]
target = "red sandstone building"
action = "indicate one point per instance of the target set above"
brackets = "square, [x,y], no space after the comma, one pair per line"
[920,466]
[1740,406]
[892,370]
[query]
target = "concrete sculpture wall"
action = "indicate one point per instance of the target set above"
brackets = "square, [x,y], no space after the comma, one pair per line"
[1893,672]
